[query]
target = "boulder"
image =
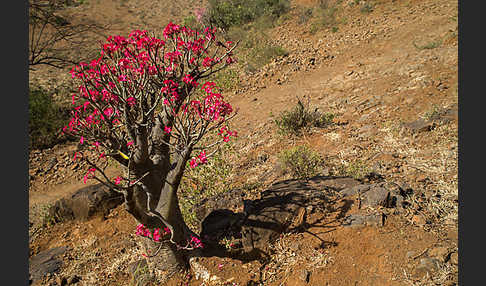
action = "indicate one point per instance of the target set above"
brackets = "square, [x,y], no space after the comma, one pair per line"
[86,203]
[377,194]
[282,208]
[355,220]
[46,263]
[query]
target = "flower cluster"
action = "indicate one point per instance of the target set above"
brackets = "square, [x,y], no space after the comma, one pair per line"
[157,234]
[196,243]
[200,159]
[226,133]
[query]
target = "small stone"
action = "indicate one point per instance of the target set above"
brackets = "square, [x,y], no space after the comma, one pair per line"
[410,254]
[73,279]
[454,259]
[440,253]
[421,178]
[419,220]
[427,265]
[305,275]
[60,280]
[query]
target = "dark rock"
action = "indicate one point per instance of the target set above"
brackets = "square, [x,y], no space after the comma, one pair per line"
[232,200]
[73,279]
[419,125]
[52,162]
[440,253]
[282,208]
[376,196]
[356,220]
[427,265]
[85,203]
[454,258]
[371,194]
[46,263]
[305,275]
[220,222]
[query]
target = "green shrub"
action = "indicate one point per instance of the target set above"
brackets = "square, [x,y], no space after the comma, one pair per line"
[301,162]
[367,8]
[46,119]
[255,48]
[304,15]
[203,182]
[325,16]
[227,13]
[356,169]
[301,118]
[226,79]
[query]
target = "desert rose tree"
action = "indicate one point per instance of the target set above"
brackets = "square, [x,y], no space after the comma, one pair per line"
[145,104]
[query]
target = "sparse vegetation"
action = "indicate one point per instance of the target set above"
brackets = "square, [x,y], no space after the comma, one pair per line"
[325,15]
[357,169]
[228,13]
[301,118]
[432,113]
[301,162]
[256,47]
[227,79]
[367,8]
[46,118]
[428,46]
[305,14]
[200,183]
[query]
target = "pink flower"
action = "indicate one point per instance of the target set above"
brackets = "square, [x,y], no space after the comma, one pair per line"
[167,129]
[81,140]
[196,243]
[202,157]
[129,143]
[220,266]
[207,61]
[157,235]
[193,163]
[187,79]
[87,176]
[131,100]
[118,180]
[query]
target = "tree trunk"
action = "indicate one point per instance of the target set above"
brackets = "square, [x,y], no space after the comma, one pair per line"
[163,258]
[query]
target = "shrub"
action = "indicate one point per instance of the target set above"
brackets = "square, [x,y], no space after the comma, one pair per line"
[46,118]
[356,169]
[304,15]
[228,13]
[301,118]
[200,183]
[301,162]
[325,15]
[367,8]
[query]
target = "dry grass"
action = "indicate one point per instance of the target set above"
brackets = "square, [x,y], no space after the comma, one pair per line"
[286,257]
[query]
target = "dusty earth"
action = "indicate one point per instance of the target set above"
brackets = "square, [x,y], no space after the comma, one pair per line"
[390,78]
